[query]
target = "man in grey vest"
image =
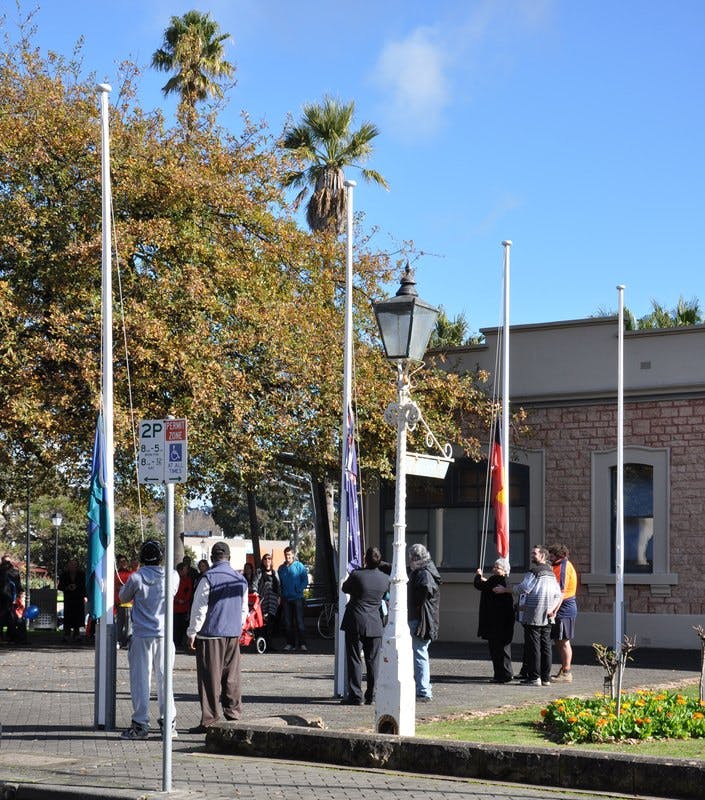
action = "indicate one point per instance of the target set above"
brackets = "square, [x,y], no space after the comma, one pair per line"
[217,615]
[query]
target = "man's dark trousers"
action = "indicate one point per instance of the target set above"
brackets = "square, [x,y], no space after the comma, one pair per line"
[537,652]
[370,649]
[218,675]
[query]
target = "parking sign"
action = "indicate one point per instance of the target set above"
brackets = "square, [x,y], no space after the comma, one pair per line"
[163,454]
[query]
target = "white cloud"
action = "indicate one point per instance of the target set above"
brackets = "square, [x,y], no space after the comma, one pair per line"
[435,66]
[412,73]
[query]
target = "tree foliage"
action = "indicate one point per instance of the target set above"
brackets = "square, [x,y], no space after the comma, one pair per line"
[232,315]
[193,50]
[324,143]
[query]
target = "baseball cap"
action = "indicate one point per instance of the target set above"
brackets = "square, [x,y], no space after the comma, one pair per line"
[220,550]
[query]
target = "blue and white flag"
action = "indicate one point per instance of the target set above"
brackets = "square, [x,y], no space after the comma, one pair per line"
[98,526]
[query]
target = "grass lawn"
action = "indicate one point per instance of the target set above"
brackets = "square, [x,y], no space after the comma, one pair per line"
[521,726]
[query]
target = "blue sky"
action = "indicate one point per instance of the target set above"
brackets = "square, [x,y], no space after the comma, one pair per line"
[575,129]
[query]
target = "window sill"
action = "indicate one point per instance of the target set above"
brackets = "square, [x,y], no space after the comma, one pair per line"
[659,582]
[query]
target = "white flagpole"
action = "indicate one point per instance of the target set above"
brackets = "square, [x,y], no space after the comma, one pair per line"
[505,387]
[340,679]
[105,634]
[619,533]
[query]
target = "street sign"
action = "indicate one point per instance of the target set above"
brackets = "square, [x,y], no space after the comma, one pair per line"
[163,453]
[176,451]
[427,466]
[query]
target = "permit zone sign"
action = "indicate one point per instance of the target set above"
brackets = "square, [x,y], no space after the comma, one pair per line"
[163,454]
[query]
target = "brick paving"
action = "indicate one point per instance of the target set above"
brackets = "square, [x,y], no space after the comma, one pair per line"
[47,739]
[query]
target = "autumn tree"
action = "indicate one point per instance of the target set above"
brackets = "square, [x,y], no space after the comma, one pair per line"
[230,312]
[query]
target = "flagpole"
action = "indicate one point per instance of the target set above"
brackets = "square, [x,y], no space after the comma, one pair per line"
[340,676]
[505,388]
[105,634]
[619,533]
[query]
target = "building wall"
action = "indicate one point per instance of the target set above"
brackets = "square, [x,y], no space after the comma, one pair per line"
[565,375]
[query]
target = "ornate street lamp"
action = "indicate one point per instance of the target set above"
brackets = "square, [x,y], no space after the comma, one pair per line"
[405,324]
[56,520]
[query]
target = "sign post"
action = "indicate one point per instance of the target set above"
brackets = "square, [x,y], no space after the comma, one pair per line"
[163,458]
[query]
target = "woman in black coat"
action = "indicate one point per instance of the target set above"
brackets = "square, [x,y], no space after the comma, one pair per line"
[496,623]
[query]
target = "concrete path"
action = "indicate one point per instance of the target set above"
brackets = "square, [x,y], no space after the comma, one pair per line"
[47,740]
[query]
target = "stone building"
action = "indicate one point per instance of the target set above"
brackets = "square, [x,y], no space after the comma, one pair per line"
[563,478]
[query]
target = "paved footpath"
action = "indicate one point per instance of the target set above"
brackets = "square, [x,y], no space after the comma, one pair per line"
[49,748]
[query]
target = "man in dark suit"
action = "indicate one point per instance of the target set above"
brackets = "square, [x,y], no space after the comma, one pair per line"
[362,623]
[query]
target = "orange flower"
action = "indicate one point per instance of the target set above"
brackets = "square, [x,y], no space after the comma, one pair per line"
[572,719]
[698,715]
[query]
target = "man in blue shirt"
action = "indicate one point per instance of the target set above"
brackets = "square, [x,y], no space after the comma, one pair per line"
[293,580]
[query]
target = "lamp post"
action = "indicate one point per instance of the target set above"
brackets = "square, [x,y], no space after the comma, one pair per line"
[56,520]
[405,324]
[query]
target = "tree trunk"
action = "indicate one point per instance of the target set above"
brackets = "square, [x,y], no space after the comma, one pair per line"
[325,551]
[254,525]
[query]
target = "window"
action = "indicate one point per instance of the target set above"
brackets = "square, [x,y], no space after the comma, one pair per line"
[638,547]
[646,526]
[446,516]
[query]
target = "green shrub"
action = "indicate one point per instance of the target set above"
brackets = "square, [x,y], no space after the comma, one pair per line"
[644,715]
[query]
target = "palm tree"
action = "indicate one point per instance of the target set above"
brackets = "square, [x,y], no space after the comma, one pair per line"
[193,49]
[324,142]
[686,312]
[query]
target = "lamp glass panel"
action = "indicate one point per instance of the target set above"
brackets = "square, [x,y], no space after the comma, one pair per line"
[394,329]
[421,330]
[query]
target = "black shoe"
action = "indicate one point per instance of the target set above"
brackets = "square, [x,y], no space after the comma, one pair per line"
[423,699]
[351,701]
[369,701]
[198,729]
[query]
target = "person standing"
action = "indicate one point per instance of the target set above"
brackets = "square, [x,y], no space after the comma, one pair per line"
[563,629]
[293,580]
[496,619]
[182,604]
[73,584]
[11,596]
[424,609]
[145,588]
[268,591]
[217,617]
[539,596]
[362,623]
[123,611]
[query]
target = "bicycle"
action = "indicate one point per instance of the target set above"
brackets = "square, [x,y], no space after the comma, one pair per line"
[326,621]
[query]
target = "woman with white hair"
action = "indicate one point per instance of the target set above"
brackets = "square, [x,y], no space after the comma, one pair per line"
[496,619]
[424,615]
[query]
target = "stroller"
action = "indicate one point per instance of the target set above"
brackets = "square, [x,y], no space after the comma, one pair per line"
[254,627]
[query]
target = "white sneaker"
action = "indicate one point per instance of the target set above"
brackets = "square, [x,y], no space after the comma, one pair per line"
[288,648]
[303,648]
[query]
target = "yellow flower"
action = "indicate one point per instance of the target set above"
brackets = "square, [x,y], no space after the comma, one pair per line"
[680,700]
[698,715]
[640,703]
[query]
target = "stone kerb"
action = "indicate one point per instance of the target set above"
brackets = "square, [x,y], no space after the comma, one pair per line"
[568,769]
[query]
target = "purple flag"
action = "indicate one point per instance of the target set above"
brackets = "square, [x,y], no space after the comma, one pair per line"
[353,531]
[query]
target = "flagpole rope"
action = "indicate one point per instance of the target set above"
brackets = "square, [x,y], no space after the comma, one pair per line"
[127,369]
[493,421]
[356,435]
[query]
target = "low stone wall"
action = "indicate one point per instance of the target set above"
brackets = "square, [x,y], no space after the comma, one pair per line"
[569,769]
